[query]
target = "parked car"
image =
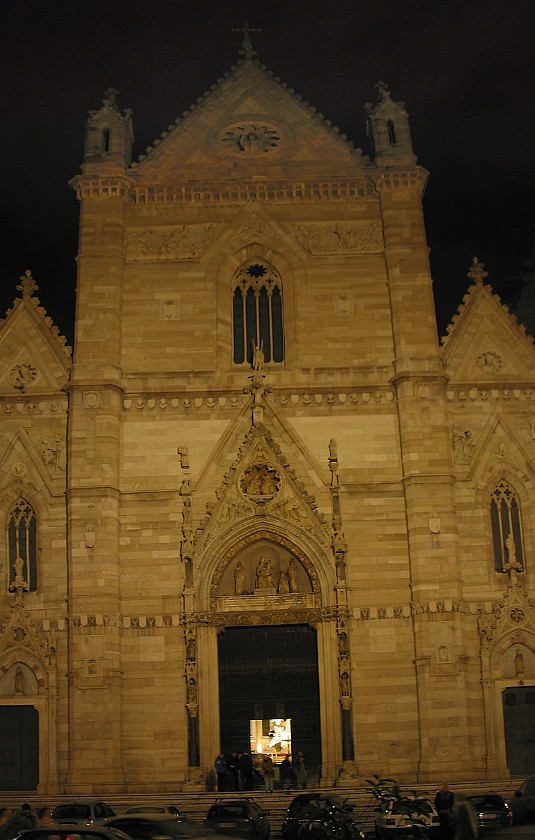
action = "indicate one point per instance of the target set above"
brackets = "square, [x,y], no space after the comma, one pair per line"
[239,817]
[56,832]
[313,815]
[492,810]
[172,810]
[523,802]
[150,826]
[393,821]
[81,813]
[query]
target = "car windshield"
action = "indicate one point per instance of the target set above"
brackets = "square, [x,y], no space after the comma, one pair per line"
[308,807]
[482,802]
[77,812]
[218,812]
[139,828]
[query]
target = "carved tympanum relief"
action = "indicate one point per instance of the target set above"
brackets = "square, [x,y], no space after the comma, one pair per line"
[260,483]
[264,570]
[489,362]
[464,441]
[249,139]
[21,376]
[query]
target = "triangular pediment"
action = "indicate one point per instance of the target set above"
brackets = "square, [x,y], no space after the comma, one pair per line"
[261,483]
[494,442]
[34,361]
[486,345]
[20,637]
[37,456]
[248,123]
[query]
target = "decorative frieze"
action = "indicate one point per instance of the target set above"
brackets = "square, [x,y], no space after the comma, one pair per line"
[489,394]
[20,406]
[178,242]
[341,237]
[164,403]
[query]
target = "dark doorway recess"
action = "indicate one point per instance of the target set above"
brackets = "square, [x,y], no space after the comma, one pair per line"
[519,721]
[19,748]
[270,672]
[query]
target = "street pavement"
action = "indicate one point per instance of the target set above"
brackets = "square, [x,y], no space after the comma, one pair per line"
[523,831]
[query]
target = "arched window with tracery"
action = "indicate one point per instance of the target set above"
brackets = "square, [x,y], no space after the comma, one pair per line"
[22,546]
[257,313]
[506,525]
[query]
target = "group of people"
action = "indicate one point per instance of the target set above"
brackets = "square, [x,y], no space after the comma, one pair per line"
[458,820]
[12,822]
[236,772]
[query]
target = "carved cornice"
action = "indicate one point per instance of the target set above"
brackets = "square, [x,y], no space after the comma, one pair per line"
[101,187]
[339,190]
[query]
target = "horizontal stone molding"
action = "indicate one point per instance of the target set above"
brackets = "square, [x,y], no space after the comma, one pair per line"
[489,394]
[231,193]
[18,406]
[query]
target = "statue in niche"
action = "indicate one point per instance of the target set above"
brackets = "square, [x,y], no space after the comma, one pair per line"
[19,681]
[258,356]
[264,573]
[192,691]
[343,644]
[284,583]
[292,576]
[333,450]
[519,663]
[239,578]
[344,684]
[190,649]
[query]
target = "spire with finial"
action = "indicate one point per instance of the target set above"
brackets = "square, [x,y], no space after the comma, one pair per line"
[477,272]
[27,284]
[247,51]
[382,91]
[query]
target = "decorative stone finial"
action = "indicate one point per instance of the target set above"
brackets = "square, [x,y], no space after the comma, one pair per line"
[247,51]
[110,97]
[382,91]
[27,284]
[477,272]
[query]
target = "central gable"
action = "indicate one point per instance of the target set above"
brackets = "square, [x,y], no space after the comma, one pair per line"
[249,122]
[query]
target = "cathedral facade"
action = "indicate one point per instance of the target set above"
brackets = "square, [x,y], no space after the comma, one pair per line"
[260,506]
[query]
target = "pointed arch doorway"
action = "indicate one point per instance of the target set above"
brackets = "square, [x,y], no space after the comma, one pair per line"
[268,673]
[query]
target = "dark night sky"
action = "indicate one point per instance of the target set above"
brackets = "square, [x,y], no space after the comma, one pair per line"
[464,69]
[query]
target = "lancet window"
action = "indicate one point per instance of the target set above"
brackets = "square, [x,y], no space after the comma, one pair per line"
[506,526]
[257,313]
[22,546]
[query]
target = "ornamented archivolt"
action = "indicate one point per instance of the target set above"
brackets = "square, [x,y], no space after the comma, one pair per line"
[168,243]
[342,237]
[250,139]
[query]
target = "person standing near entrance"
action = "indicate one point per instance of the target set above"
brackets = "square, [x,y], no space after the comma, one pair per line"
[268,772]
[444,806]
[246,771]
[220,765]
[300,770]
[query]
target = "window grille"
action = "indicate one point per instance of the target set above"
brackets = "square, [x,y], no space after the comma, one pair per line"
[505,519]
[257,313]
[22,545]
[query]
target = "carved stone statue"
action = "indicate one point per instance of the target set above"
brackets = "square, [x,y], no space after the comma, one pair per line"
[292,576]
[284,584]
[264,574]
[19,681]
[18,566]
[258,356]
[239,578]
[519,663]
[192,691]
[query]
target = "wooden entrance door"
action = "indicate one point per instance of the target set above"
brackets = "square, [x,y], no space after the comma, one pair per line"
[519,721]
[19,748]
[270,672]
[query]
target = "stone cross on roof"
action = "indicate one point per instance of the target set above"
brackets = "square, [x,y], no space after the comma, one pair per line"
[477,272]
[247,50]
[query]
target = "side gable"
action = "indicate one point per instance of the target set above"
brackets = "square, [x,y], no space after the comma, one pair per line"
[36,359]
[485,344]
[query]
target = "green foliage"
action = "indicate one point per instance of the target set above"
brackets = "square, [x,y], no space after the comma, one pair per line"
[413,803]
